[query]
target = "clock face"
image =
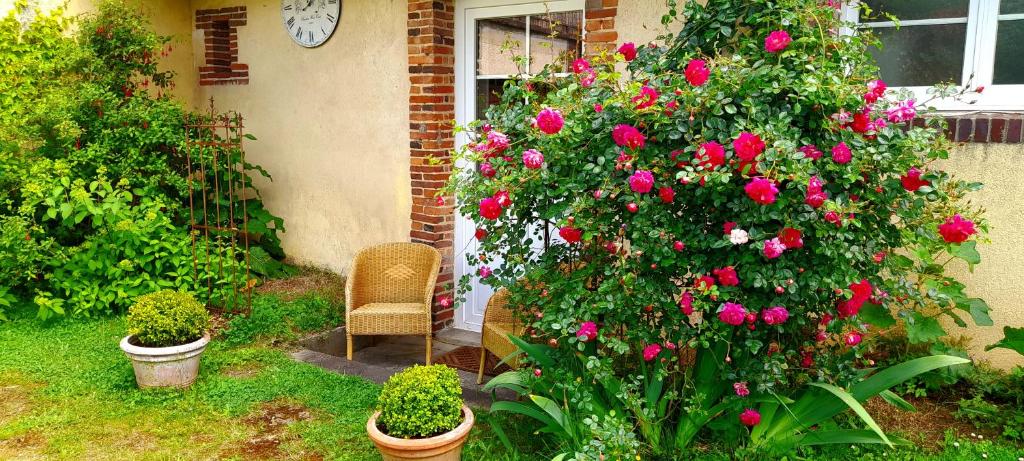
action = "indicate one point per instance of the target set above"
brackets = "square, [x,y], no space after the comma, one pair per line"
[310,22]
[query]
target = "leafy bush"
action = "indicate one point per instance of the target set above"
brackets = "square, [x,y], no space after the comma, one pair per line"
[272,319]
[167,318]
[996,401]
[731,216]
[422,401]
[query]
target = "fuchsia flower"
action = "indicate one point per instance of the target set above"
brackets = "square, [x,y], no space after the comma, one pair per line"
[811,151]
[876,89]
[641,182]
[533,159]
[773,248]
[678,245]
[503,198]
[628,136]
[912,180]
[834,218]
[686,303]
[861,294]
[750,417]
[484,272]
[732,314]
[598,108]
[666,194]
[726,276]
[647,97]
[497,142]
[791,238]
[588,78]
[761,190]
[651,352]
[957,229]
[445,301]
[853,338]
[570,234]
[728,227]
[490,209]
[550,120]
[580,65]
[697,72]
[748,146]
[776,315]
[816,195]
[741,388]
[628,51]
[841,154]
[903,111]
[710,155]
[587,332]
[487,170]
[777,41]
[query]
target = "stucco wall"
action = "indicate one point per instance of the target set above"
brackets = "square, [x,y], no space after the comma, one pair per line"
[639,21]
[332,125]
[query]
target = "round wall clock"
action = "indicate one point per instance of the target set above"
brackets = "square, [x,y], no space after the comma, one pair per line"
[310,22]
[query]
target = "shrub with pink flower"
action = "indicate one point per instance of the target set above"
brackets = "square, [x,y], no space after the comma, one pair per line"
[732,314]
[550,120]
[777,41]
[741,389]
[628,136]
[580,66]
[773,248]
[651,352]
[811,151]
[628,51]
[710,155]
[647,97]
[904,111]
[533,159]
[762,191]
[641,182]
[776,315]
[587,331]
[748,146]
[697,72]
[956,229]
[841,154]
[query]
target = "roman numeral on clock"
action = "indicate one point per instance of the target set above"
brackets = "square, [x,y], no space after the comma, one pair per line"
[298,33]
[330,18]
[291,22]
[310,36]
[288,7]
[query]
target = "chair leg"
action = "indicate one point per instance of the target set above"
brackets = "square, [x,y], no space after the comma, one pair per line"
[429,346]
[348,346]
[483,358]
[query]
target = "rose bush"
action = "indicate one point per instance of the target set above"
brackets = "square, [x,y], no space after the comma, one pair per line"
[647,310]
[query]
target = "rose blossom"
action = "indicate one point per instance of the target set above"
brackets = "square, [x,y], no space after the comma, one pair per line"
[773,248]
[587,331]
[503,199]
[481,234]
[686,303]
[903,111]
[776,315]
[841,153]
[490,209]
[628,51]
[852,338]
[732,314]
[598,107]
[647,97]
[777,41]
[876,89]
[550,120]
[697,72]
[570,234]
[748,146]
[497,142]
[912,180]
[811,151]
[741,388]
[487,170]
[791,238]
[580,65]
[628,136]
[651,352]
[484,272]
[739,237]
[704,282]
[957,229]
[726,276]
[666,194]
[533,159]
[816,195]
[750,417]
[728,227]
[761,190]
[641,182]
[834,218]
[710,155]
[445,301]
[588,78]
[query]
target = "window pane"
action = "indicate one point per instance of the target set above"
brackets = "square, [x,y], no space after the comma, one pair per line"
[488,93]
[1009,68]
[497,41]
[921,55]
[918,9]
[555,38]
[1011,7]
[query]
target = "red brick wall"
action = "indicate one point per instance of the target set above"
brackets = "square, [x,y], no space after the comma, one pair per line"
[220,31]
[431,42]
[985,128]
[600,26]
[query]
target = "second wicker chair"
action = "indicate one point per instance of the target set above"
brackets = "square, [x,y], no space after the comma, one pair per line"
[499,323]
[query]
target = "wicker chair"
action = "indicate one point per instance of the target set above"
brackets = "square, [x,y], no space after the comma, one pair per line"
[499,323]
[389,291]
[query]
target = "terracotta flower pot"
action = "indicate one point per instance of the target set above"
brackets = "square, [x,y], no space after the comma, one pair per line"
[444,447]
[175,366]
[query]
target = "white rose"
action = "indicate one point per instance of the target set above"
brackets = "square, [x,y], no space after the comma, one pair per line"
[738,236]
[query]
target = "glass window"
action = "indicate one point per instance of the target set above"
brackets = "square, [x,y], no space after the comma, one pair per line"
[918,9]
[1009,64]
[555,39]
[498,41]
[910,58]
[1011,7]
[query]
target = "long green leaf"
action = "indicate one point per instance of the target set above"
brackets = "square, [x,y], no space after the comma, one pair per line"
[551,408]
[892,399]
[535,352]
[525,410]
[857,408]
[843,436]
[508,380]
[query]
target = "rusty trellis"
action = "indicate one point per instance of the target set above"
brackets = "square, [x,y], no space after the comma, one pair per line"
[218,187]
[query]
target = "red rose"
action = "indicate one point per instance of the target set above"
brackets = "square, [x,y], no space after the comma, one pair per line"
[628,51]
[490,209]
[704,283]
[791,238]
[570,234]
[912,180]
[727,276]
[697,72]
[748,146]
[957,229]
[710,155]
[667,194]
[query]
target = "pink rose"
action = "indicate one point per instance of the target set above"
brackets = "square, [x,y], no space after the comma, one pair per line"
[503,198]
[773,248]
[841,153]
[834,218]
[776,315]
[550,120]
[750,417]
[651,352]
[748,146]
[791,238]
[588,78]
[726,276]
[816,195]
[811,151]
[580,65]
[666,194]
[647,97]
[853,338]
[761,190]
[570,234]
[628,51]
[777,41]
[686,303]
[904,111]
[598,108]
[587,332]
[641,182]
[490,209]
[876,89]
[533,159]
[957,229]
[445,301]
[484,272]
[697,72]
[912,180]
[497,142]
[487,170]
[710,155]
[628,136]
[741,388]
[732,314]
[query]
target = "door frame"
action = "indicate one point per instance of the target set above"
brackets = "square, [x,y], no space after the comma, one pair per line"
[467,12]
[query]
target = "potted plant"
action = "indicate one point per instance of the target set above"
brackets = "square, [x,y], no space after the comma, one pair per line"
[166,335]
[420,415]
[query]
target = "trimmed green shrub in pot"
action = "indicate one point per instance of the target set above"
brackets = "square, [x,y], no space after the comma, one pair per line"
[167,335]
[421,415]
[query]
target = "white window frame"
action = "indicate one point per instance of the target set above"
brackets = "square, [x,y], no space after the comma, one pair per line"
[979,58]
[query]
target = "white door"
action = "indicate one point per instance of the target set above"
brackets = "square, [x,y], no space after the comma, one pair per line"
[487,32]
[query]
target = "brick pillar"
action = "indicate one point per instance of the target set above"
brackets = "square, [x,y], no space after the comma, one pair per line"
[431,40]
[220,40]
[600,26]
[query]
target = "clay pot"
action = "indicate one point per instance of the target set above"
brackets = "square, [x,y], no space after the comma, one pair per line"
[175,366]
[444,447]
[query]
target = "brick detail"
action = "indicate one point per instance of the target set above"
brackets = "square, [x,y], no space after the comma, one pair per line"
[600,26]
[220,31]
[431,42]
[986,128]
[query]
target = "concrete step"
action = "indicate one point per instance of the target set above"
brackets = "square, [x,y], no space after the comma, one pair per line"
[458,337]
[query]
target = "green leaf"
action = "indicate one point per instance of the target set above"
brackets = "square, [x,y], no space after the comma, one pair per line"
[877,315]
[921,329]
[508,380]
[968,252]
[845,437]
[895,400]
[979,311]
[525,410]
[857,408]
[1013,339]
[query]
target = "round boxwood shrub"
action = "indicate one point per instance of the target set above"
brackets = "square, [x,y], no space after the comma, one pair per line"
[422,401]
[167,318]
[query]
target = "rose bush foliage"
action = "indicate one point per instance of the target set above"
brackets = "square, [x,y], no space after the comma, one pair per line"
[746,196]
